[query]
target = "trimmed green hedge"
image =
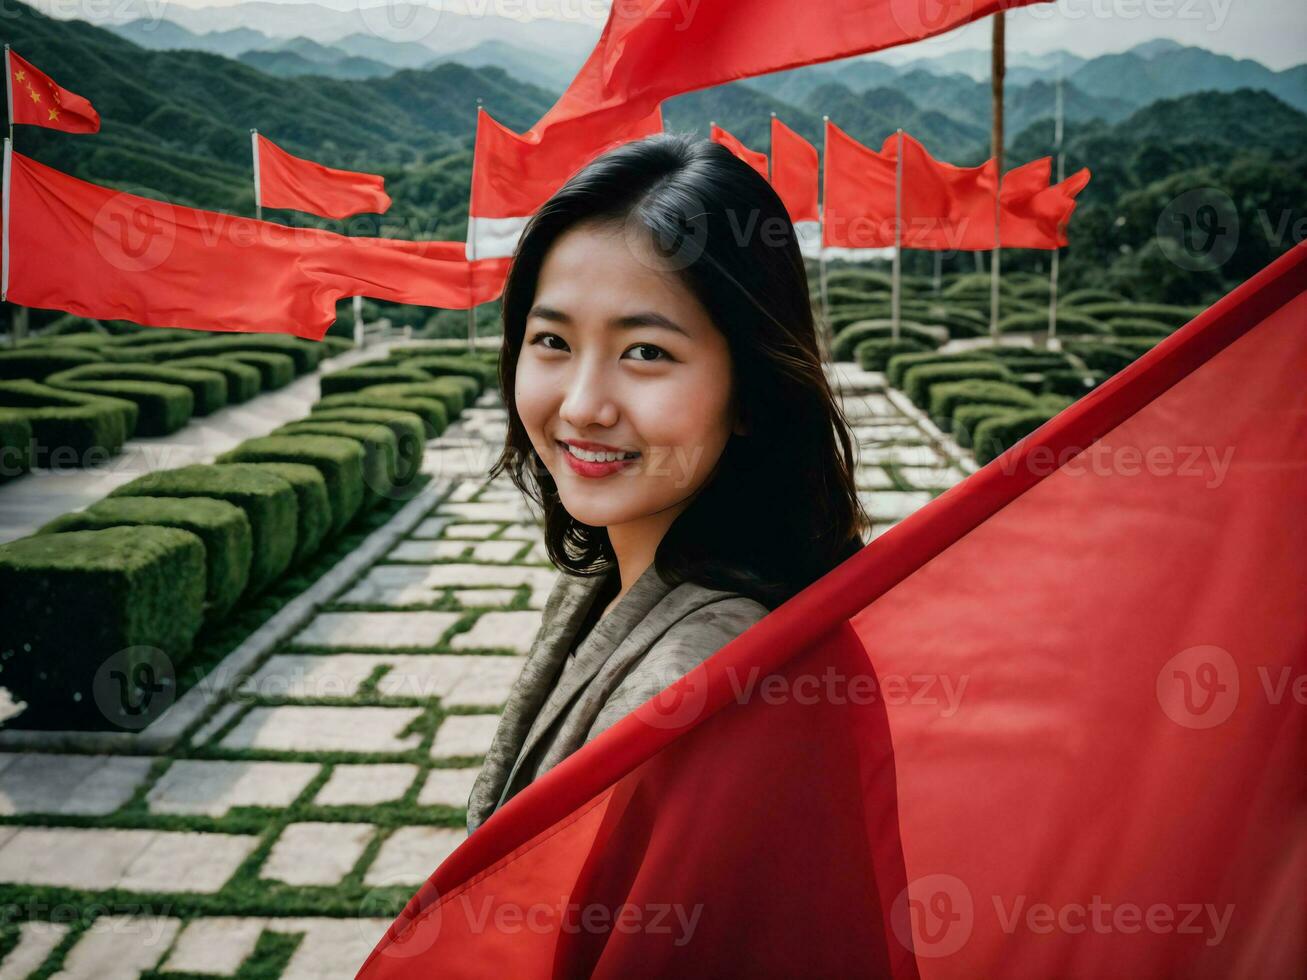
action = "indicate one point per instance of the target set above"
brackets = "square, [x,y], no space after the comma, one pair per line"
[1107,358]
[1079,297]
[449,391]
[408,427]
[244,381]
[314,517]
[947,398]
[162,408]
[433,412]
[995,435]
[900,364]
[208,388]
[1067,323]
[1073,383]
[848,339]
[222,527]
[275,370]
[919,380]
[268,501]
[333,346]
[358,378]
[36,364]
[69,423]
[15,444]
[1175,316]
[70,601]
[874,354]
[304,354]
[340,461]
[486,375]
[380,451]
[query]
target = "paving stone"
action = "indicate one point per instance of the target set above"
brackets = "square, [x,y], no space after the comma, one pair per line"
[432,527]
[462,735]
[880,528]
[137,860]
[892,504]
[488,681]
[538,554]
[869,406]
[523,532]
[366,785]
[410,854]
[872,478]
[332,949]
[494,630]
[466,490]
[119,947]
[446,462]
[478,532]
[401,584]
[498,550]
[36,941]
[448,787]
[921,455]
[212,787]
[216,722]
[931,477]
[474,598]
[309,854]
[215,945]
[438,550]
[490,511]
[376,629]
[313,675]
[86,785]
[886,432]
[297,728]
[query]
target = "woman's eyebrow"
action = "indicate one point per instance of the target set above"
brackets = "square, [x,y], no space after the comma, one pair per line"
[646,318]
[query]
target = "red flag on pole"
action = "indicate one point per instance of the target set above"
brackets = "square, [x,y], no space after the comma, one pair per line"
[1036,215]
[286,181]
[758,161]
[74,246]
[987,729]
[35,99]
[795,173]
[858,195]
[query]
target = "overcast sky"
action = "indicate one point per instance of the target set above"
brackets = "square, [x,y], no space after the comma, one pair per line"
[1273,32]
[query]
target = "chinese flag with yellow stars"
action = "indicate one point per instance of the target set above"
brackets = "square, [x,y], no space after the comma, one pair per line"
[36,100]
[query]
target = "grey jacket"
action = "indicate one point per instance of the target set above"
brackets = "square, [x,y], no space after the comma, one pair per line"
[653,636]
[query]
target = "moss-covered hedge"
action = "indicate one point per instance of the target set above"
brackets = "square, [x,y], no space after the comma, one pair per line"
[36,364]
[918,381]
[848,339]
[486,375]
[380,451]
[208,388]
[1067,323]
[1174,316]
[947,398]
[1079,297]
[244,381]
[162,408]
[275,370]
[899,364]
[15,444]
[268,501]
[995,435]
[451,392]
[408,427]
[432,411]
[222,527]
[314,519]
[339,460]
[358,378]
[305,355]
[874,354]
[70,601]
[69,428]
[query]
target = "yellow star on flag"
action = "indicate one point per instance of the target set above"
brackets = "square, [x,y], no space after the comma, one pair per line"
[20,74]
[54,114]
[36,96]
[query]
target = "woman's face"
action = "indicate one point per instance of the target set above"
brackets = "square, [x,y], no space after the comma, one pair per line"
[619,353]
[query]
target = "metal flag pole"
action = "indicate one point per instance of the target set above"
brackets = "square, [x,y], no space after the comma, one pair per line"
[998,67]
[896,282]
[1058,133]
[4,229]
[254,149]
[9,92]
[18,324]
[472,247]
[821,236]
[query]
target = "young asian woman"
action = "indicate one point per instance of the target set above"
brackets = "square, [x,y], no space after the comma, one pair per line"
[670,416]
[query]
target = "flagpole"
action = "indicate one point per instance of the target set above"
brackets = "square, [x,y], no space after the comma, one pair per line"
[4,229]
[821,228]
[896,283]
[254,149]
[9,92]
[998,68]
[1058,133]
[472,248]
[939,271]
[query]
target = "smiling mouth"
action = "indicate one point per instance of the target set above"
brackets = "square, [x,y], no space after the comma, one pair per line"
[586,456]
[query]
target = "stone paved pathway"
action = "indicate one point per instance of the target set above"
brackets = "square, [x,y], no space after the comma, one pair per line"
[279,839]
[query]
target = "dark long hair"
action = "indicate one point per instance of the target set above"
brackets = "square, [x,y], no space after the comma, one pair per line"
[781,508]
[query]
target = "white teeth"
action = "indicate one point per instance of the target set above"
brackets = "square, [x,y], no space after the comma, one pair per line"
[590,457]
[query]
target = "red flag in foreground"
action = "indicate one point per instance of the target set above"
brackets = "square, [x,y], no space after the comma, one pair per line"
[1036,215]
[1052,724]
[36,100]
[95,252]
[758,161]
[513,175]
[285,181]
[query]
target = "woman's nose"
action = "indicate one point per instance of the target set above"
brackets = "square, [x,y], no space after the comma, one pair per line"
[588,400]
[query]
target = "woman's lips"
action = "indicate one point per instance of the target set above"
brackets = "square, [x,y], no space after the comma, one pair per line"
[582,467]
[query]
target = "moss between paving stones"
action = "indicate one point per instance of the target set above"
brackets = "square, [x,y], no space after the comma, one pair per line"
[434,414]
[69,427]
[380,451]
[408,427]
[222,527]
[244,381]
[314,518]
[275,370]
[268,501]
[70,601]
[339,460]
[163,408]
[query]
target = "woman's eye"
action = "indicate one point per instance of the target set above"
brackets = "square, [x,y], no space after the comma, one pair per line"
[651,347]
[541,337]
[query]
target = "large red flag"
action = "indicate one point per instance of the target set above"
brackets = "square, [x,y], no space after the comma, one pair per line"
[282,180]
[794,176]
[1036,215]
[755,159]
[1050,725]
[35,99]
[858,193]
[513,175]
[74,246]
